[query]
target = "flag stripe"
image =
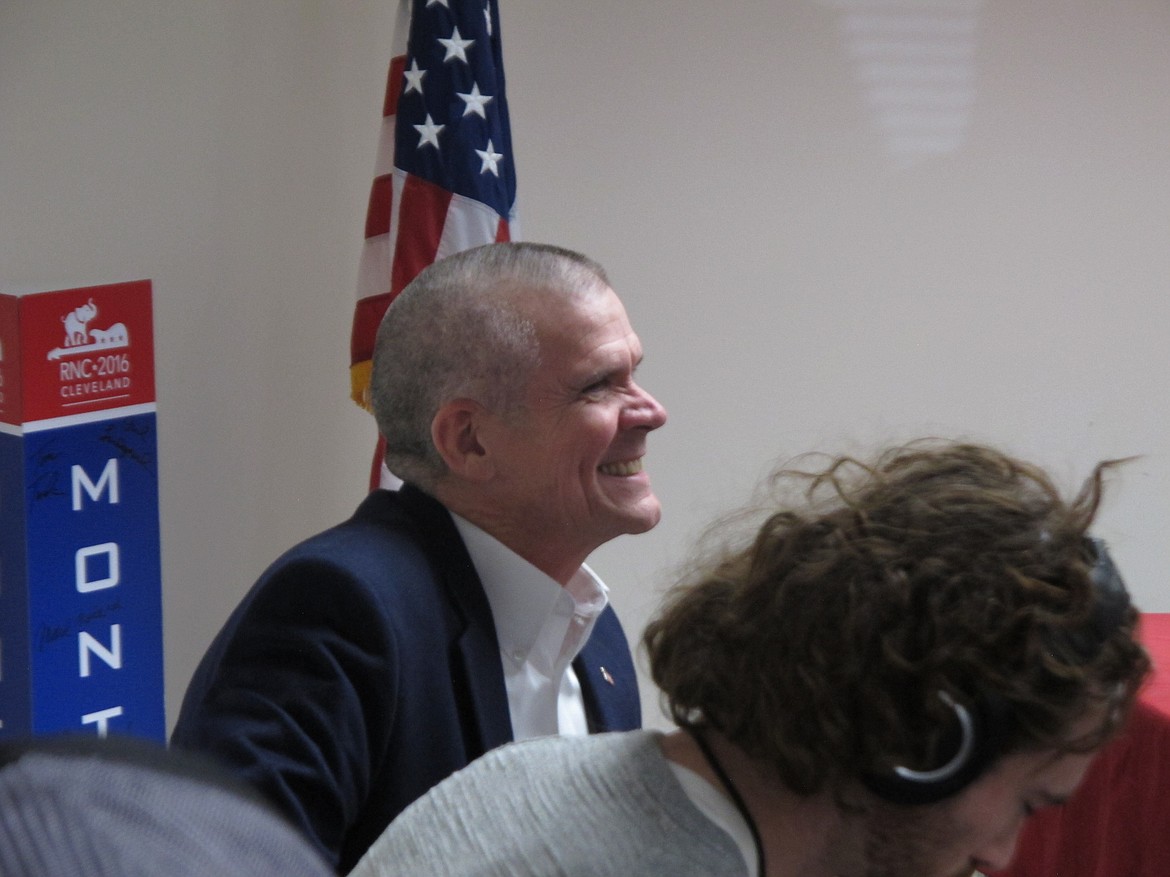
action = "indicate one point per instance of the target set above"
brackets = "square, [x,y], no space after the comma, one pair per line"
[393,86]
[423,214]
[384,161]
[368,313]
[381,204]
[469,224]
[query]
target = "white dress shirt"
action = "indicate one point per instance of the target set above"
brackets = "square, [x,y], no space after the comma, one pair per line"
[541,627]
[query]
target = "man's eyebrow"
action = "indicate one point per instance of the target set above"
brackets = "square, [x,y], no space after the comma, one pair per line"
[617,364]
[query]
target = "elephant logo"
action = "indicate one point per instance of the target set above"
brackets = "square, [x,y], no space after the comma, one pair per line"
[80,338]
[76,323]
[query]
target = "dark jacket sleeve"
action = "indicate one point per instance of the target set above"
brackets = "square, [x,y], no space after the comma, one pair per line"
[298,695]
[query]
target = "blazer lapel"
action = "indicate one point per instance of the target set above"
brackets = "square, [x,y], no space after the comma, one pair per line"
[475,660]
[609,683]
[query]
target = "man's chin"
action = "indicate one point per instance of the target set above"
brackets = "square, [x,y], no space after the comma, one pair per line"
[645,518]
[630,509]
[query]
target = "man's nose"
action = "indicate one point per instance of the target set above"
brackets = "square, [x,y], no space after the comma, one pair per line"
[997,854]
[644,411]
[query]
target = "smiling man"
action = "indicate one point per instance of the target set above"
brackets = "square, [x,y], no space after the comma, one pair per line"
[457,613]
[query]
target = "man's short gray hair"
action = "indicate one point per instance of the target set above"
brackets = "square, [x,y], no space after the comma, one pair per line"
[459,330]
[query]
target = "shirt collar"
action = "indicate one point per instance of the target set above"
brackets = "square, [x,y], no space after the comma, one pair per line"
[525,600]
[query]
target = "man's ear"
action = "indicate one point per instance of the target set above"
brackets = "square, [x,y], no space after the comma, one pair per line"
[455,431]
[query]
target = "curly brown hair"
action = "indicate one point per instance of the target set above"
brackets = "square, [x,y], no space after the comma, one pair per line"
[821,646]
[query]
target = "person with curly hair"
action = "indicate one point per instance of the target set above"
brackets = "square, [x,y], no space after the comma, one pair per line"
[908,658]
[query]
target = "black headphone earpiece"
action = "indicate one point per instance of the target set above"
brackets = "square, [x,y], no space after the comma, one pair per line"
[976,739]
[981,727]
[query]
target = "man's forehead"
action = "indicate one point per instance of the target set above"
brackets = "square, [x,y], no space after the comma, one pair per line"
[560,319]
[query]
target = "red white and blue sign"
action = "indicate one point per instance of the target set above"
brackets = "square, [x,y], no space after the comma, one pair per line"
[80,567]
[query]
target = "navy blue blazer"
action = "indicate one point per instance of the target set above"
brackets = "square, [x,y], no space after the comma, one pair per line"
[363,668]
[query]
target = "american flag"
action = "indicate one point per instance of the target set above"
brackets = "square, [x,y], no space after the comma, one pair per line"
[444,179]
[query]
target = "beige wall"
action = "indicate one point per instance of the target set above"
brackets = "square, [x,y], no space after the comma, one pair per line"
[835,223]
